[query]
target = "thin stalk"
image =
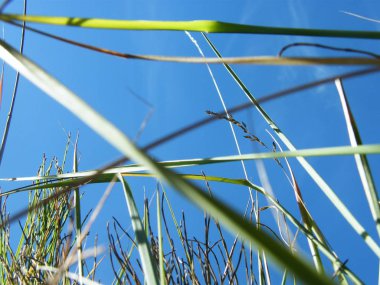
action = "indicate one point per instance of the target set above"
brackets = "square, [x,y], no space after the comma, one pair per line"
[9,117]
[206,26]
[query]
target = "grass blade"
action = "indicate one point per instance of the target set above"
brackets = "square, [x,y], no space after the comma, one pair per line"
[133,168]
[78,219]
[207,26]
[361,160]
[160,241]
[148,264]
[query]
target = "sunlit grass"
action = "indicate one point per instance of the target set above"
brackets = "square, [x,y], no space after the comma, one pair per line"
[45,249]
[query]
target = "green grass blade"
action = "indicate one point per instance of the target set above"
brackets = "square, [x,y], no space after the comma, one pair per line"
[361,160]
[207,26]
[78,219]
[147,262]
[326,189]
[160,241]
[230,218]
[312,152]
[133,168]
[284,276]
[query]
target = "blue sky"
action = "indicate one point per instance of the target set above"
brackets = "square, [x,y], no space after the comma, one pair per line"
[179,94]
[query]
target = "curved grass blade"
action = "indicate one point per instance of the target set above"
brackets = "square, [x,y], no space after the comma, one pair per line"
[207,26]
[326,189]
[230,218]
[132,168]
[147,261]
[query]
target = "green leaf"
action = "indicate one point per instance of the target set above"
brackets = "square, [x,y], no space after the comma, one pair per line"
[148,264]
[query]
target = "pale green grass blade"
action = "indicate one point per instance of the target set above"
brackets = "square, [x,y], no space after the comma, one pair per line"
[361,160]
[230,218]
[326,189]
[207,26]
[313,152]
[284,276]
[145,219]
[147,262]
[160,241]
[78,219]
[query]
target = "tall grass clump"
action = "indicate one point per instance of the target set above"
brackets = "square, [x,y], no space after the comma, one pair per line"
[150,242]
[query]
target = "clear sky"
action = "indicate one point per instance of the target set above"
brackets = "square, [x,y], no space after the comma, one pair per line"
[179,94]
